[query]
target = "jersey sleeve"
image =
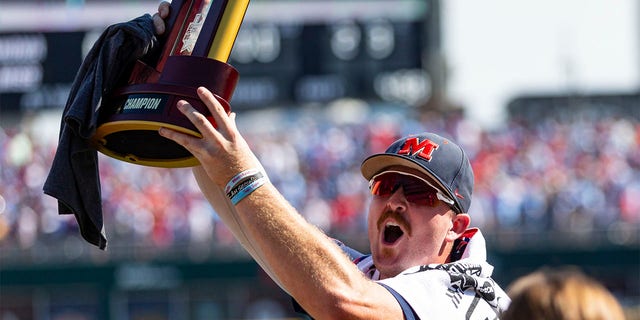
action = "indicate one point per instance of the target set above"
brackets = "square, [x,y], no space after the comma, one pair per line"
[407,311]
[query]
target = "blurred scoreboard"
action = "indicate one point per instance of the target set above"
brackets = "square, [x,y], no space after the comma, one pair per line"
[287,53]
[378,59]
[37,69]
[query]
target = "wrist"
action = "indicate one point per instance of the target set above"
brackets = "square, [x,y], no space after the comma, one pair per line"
[244,183]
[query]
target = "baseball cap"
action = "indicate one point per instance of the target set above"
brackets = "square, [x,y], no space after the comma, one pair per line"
[439,158]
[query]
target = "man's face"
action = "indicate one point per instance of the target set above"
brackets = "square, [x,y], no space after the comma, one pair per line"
[404,232]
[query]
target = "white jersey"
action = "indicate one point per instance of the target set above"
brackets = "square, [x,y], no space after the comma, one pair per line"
[462,289]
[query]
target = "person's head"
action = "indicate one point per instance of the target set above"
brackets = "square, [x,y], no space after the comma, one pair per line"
[421,192]
[561,294]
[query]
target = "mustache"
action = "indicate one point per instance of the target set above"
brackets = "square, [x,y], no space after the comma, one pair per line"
[396,216]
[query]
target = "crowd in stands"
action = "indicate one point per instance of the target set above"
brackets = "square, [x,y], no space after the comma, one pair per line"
[580,176]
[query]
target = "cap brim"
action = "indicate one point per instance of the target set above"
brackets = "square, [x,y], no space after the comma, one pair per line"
[378,162]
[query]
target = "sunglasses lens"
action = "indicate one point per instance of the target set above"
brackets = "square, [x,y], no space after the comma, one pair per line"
[415,190]
[382,187]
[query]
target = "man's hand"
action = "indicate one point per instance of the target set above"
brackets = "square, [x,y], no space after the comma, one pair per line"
[222,150]
[158,17]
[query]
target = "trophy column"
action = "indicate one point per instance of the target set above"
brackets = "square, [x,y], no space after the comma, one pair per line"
[200,36]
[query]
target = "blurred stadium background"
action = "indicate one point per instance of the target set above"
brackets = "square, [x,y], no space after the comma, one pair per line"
[544,95]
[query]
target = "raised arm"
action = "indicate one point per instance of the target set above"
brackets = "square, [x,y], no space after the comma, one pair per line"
[300,257]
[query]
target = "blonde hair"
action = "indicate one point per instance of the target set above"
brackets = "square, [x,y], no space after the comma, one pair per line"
[564,294]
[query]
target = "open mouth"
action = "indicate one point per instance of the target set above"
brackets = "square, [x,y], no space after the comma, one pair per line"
[392,232]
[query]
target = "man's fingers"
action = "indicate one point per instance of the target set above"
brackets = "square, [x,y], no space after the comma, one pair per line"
[191,143]
[158,17]
[187,141]
[218,112]
[211,137]
[158,24]
[198,119]
[163,9]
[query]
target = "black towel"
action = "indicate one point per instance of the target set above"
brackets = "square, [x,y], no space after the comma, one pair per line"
[74,176]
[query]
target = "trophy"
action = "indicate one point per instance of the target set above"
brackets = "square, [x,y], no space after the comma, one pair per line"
[196,46]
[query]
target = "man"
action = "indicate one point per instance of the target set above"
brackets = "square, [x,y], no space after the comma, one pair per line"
[425,263]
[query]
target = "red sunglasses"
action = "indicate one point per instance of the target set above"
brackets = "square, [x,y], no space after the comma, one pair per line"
[416,189]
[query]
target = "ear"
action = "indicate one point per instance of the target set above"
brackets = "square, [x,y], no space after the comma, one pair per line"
[460,224]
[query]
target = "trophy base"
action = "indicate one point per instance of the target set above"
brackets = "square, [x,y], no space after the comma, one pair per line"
[130,119]
[138,141]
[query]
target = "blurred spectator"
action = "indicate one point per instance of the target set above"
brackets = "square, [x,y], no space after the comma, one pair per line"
[562,294]
[581,177]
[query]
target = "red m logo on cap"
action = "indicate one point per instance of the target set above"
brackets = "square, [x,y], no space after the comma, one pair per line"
[422,149]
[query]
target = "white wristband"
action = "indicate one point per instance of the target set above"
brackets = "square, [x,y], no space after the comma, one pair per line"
[239,177]
[247,190]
